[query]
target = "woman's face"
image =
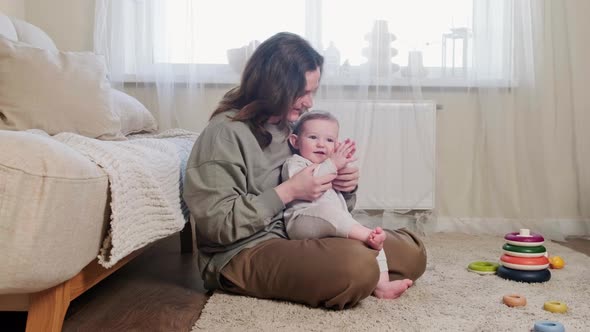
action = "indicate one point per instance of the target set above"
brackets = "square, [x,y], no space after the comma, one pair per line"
[304,102]
[312,82]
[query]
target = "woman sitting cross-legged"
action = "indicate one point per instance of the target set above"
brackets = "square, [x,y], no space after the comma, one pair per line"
[234,192]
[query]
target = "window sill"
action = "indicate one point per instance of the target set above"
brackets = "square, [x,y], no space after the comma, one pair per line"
[223,74]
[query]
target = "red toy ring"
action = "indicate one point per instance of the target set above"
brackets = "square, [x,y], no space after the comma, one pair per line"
[525,263]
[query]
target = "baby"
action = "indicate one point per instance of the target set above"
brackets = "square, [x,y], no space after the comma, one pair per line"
[315,138]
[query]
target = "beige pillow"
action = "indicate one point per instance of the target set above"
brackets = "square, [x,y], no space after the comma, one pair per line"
[32,35]
[55,91]
[135,118]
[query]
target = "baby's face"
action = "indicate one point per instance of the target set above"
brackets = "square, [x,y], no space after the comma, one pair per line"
[317,140]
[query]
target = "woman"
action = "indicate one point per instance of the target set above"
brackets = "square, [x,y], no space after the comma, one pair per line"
[233,190]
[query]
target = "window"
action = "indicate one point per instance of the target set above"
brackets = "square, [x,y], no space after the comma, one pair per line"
[422,38]
[396,39]
[418,25]
[203,31]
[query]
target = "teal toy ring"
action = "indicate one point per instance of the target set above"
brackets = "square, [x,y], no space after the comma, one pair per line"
[483,267]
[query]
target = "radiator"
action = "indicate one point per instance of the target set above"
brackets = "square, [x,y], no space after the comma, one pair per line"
[396,144]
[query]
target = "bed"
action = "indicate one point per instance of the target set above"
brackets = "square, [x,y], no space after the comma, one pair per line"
[87,181]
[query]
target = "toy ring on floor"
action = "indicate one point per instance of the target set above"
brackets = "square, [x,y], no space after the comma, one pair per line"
[524,238]
[555,306]
[514,300]
[548,326]
[524,276]
[482,267]
[525,263]
[519,251]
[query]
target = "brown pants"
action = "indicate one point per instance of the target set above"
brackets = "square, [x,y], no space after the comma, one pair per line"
[331,272]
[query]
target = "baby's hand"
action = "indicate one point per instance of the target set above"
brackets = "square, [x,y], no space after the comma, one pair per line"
[348,140]
[343,154]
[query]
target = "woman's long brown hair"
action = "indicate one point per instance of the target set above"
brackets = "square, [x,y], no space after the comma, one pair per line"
[274,77]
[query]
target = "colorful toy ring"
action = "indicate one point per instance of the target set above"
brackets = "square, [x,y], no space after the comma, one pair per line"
[525,263]
[520,251]
[524,276]
[555,306]
[524,238]
[514,300]
[483,267]
[548,326]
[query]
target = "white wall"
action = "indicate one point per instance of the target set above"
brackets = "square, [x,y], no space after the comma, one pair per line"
[14,8]
[69,22]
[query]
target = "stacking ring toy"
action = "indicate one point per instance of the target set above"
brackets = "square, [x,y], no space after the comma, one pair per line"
[525,263]
[555,306]
[524,276]
[524,238]
[514,300]
[519,251]
[548,326]
[482,267]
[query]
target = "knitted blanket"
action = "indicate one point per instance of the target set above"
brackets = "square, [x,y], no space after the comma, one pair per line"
[145,175]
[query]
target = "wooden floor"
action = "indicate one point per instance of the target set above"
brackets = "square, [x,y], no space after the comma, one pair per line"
[158,291]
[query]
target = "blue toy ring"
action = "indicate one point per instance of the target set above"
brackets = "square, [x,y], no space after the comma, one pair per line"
[548,326]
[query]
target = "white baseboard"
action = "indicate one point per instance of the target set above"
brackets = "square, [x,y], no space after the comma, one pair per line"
[426,222]
[555,229]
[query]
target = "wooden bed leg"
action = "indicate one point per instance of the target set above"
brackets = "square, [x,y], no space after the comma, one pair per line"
[187,241]
[48,309]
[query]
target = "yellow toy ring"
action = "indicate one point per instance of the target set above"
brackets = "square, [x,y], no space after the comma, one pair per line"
[555,306]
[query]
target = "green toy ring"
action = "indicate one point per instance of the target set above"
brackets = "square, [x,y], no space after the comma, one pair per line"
[524,250]
[483,267]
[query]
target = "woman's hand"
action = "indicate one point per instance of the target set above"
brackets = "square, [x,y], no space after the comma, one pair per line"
[347,179]
[304,186]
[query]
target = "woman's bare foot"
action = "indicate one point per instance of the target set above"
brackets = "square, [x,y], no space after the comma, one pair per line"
[376,238]
[390,289]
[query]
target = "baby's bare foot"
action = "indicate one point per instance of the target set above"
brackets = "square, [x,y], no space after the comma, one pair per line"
[391,289]
[376,238]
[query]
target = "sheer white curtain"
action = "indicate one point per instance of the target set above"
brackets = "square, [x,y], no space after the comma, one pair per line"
[520,163]
[504,152]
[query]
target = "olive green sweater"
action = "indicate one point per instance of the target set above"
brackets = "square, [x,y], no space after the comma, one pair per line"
[229,189]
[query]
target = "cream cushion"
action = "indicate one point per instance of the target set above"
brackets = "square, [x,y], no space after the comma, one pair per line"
[53,211]
[55,91]
[135,117]
[7,28]
[32,35]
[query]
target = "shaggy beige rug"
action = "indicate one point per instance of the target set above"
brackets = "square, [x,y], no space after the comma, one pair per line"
[446,298]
